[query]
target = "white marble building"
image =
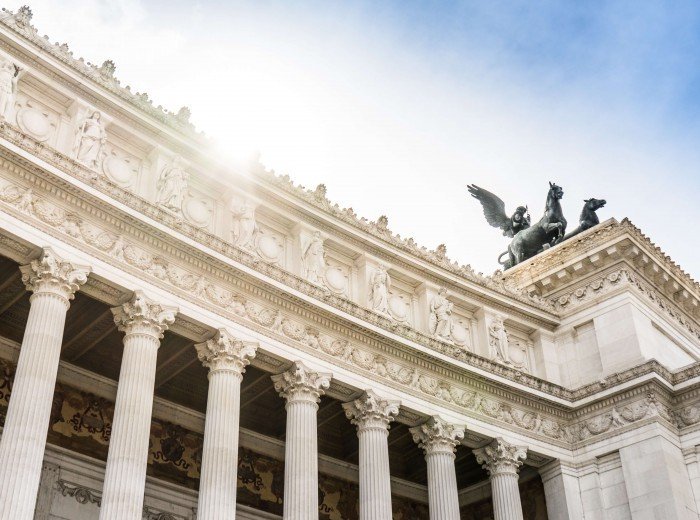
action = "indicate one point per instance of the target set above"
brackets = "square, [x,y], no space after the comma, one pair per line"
[184,338]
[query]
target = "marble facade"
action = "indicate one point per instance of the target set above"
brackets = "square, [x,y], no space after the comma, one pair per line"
[178,346]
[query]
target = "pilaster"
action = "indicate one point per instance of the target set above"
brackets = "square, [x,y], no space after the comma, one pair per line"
[561,491]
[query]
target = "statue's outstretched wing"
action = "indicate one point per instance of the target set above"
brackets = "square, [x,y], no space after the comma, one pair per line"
[494,207]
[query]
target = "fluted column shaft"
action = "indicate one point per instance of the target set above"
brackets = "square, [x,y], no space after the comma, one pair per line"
[502,461]
[506,496]
[439,440]
[302,389]
[226,357]
[375,480]
[143,323]
[372,416]
[54,283]
[442,486]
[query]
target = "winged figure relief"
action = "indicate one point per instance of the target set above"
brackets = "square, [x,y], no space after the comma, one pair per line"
[495,212]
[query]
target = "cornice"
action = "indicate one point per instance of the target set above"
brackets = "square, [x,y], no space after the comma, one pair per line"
[19,24]
[619,278]
[316,200]
[593,245]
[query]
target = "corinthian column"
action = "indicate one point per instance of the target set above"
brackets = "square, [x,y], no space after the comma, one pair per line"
[302,389]
[439,439]
[226,357]
[372,415]
[143,323]
[53,282]
[502,461]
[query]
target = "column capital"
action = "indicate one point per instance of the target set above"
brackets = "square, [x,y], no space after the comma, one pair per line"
[52,274]
[370,411]
[140,315]
[225,352]
[500,457]
[437,436]
[301,384]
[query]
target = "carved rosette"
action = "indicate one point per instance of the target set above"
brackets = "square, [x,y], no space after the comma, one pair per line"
[140,315]
[437,436]
[499,457]
[371,411]
[50,274]
[301,384]
[225,352]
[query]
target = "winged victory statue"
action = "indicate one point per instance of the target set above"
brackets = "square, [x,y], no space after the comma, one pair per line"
[495,212]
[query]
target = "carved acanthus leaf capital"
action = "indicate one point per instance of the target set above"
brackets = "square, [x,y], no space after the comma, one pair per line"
[437,436]
[301,384]
[371,411]
[500,457]
[140,315]
[226,352]
[51,274]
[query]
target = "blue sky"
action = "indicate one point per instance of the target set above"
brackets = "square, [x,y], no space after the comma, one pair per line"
[397,106]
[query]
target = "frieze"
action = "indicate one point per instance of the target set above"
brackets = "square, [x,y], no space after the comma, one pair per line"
[615,414]
[30,201]
[82,494]
[86,495]
[117,247]
[586,242]
[112,243]
[687,416]
[574,298]
[380,230]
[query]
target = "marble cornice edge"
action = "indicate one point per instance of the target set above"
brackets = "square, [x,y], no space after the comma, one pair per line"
[591,239]
[141,102]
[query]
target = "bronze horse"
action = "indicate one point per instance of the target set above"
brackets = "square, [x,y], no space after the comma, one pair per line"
[547,232]
[588,217]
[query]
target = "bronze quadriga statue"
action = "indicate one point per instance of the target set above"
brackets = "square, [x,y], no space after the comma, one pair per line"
[530,239]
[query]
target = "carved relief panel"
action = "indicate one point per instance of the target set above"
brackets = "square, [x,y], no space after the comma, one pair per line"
[121,166]
[401,299]
[255,229]
[37,119]
[507,344]
[270,244]
[520,350]
[198,208]
[462,329]
[338,272]
[44,113]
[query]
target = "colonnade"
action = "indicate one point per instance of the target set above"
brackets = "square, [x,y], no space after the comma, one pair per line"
[53,282]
